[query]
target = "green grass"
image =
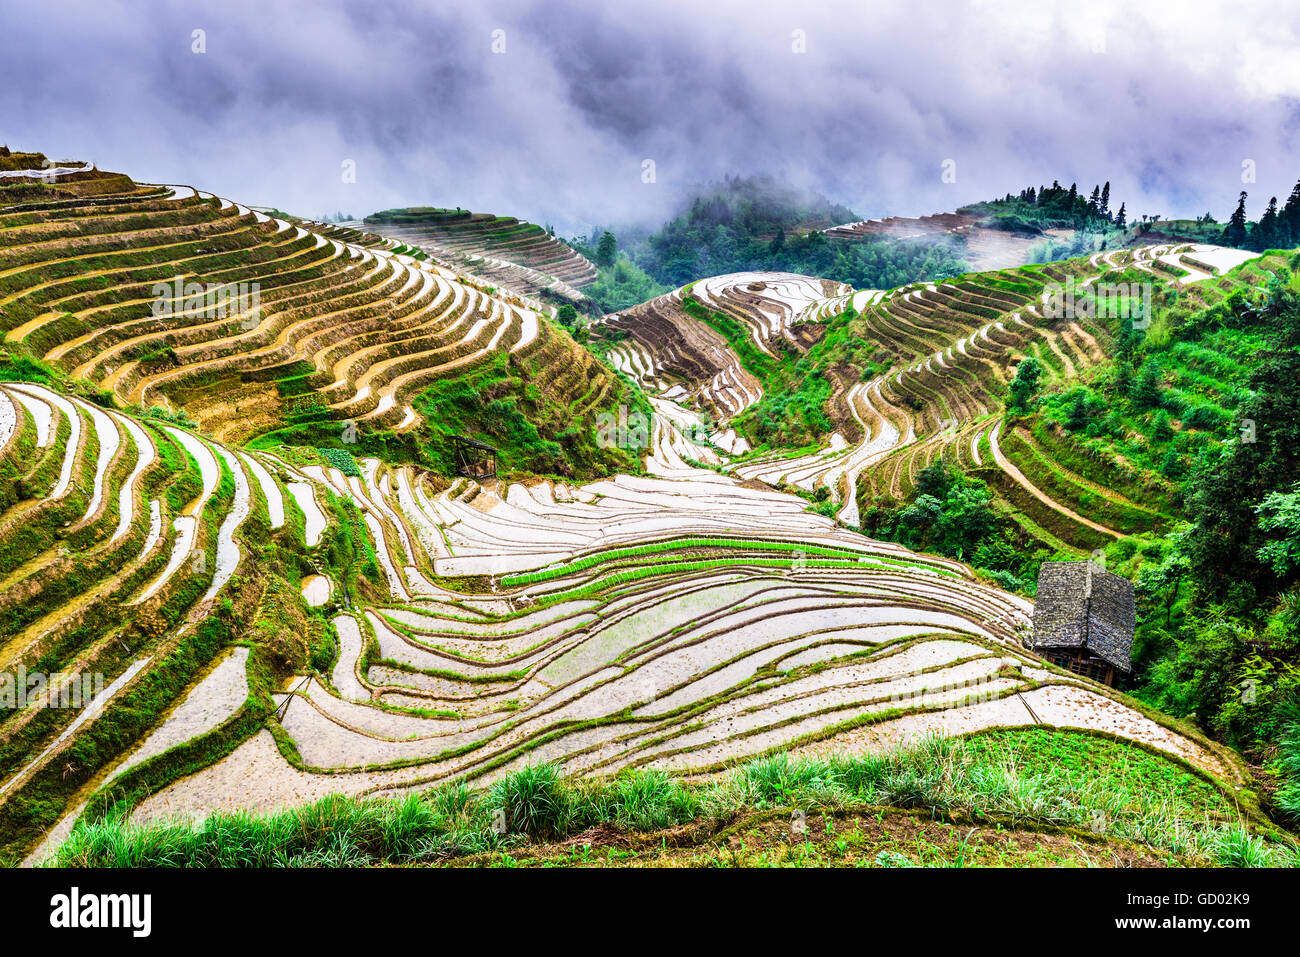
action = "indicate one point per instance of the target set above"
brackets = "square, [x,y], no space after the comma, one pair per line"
[1133,772]
[1044,778]
[683,544]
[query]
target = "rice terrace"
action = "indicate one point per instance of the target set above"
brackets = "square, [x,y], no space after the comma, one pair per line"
[733,529]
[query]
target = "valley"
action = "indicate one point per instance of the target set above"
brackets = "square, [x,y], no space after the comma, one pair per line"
[247,513]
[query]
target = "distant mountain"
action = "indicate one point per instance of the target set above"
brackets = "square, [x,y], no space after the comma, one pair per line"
[760,223]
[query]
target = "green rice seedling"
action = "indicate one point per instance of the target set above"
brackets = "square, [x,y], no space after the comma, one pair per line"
[406,826]
[1235,846]
[533,800]
[648,800]
[452,800]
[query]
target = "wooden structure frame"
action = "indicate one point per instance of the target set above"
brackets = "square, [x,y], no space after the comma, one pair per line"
[474,459]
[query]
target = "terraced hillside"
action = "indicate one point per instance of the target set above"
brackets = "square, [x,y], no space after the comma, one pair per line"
[1062,496]
[275,622]
[983,247]
[713,342]
[247,323]
[518,255]
[271,626]
[948,352]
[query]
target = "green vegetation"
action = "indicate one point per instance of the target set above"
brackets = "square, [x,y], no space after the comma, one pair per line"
[1277,228]
[12,160]
[1043,779]
[620,284]
[795,389]
[1186,442]
[1209,400]
[952,514]
[1022,388]
[1055,206]
[501,402]
[342,460]
[655,549]
[760,223]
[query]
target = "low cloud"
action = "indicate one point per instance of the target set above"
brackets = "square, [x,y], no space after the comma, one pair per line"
[864,102]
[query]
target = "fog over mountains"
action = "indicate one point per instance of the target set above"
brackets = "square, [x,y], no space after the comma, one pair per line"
[557,123]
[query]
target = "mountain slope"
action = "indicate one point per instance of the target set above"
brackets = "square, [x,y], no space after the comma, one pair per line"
[249,324]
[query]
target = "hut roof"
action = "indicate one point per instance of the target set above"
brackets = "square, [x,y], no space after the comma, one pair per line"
[472,443]
[1080,605]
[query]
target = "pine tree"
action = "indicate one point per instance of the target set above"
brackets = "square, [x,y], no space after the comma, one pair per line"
[1146,387]
[1105,200]
[1234,234]
[606,249]
[1094,201]
[1121,219]
[1264,235]
[1289,221]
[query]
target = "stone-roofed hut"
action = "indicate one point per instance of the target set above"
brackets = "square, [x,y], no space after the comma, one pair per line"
[1084,618]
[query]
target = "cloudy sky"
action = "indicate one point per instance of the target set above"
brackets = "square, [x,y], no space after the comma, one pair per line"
[548,110]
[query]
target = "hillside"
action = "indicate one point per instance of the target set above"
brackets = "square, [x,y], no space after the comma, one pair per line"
[520,256]
[974,419]
[248,324]
[1038,225]
[445,631]
[659,613]
[761,224]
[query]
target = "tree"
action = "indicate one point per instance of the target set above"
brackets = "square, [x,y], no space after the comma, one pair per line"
[1234,234]
[606,249]
[1264,235]
[1158,583]
[966,520]
[1279,518]
[934,479]
[1077,417]
[1023,386]
[566,315]
[1121,219]
[1290,219]
[1123,373]
[1105,200]
[1172,466]
[1146,388]
[1161,430]
[920,517]
[1225,539]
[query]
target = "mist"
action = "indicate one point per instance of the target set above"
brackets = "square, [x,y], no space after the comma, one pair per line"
[551,110]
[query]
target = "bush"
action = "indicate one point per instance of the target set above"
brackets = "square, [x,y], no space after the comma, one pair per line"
[533,800]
